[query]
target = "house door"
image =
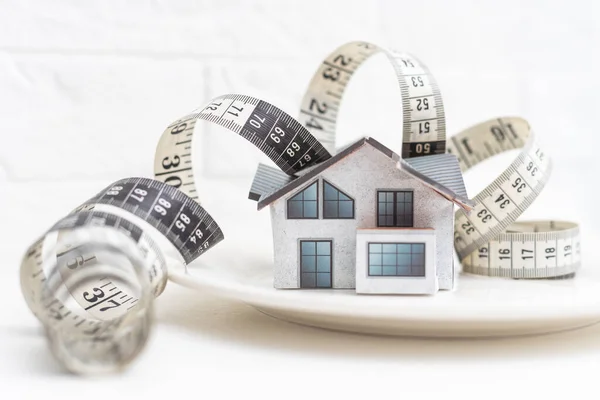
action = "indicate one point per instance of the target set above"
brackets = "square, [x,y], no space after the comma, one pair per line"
[315,263]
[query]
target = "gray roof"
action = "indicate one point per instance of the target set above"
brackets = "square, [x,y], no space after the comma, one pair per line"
[266,180]
[443,169]
[441,172]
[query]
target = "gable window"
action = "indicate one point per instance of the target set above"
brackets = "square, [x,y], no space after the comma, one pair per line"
[395,208]
[396,259]
[304,204]
[336,204]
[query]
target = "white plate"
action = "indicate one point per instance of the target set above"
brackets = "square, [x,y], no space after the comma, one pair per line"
[241,268]
[479,307]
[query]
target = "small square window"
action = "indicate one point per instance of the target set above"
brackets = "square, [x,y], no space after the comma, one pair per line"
[395,208]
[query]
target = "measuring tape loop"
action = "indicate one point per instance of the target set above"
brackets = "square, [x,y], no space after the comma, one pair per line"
[487,240]
[283,139]
[75,278]
[424,124]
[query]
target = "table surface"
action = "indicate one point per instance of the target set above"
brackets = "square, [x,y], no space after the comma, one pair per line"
[205,346]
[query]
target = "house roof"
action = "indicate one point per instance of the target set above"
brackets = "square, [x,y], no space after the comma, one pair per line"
[441,172]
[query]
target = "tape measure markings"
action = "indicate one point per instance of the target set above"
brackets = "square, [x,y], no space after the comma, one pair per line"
[424,128]
[178,217]
[283,139]
[79,316]
[481,238]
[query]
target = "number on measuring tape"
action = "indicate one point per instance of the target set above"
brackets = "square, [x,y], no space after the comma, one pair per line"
[424,127]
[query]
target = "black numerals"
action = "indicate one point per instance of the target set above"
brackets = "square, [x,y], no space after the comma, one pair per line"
[424,127]
[417,81]
[503,201]
[504,254]
[313,124]
[484,215]
[567,250]
[550,252]
[519,185]
[531,168]
[342,60]
[93,296]
[112,303]
[468,228]
[171,162]
[407,63]
[213,106]
[315,106]
[498,133]
[483,252]
[526,254]
[174,181]
[512,131]
[177,129]
[233,110]
[331,74]
[422,104]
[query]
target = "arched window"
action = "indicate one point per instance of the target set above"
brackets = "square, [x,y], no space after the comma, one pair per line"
[336,204]
[304,204]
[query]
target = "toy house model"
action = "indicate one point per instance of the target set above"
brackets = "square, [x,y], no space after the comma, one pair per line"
[365,219]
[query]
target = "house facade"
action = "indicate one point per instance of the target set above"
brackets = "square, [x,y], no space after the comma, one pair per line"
[364,219]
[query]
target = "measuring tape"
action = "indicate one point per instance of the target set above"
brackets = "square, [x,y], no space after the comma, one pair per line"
[424,123]
[67,288]
[486,239]
[283,139]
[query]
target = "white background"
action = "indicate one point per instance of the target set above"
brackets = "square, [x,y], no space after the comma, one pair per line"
[86,88]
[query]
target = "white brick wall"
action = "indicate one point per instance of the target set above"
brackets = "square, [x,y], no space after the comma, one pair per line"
[87,87]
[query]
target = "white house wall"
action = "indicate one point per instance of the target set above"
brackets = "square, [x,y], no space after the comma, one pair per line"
[359,175]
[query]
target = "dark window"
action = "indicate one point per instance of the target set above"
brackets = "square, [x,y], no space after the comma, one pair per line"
[395,208]
[396,259]
[315,264]
[336,204]
[304,204]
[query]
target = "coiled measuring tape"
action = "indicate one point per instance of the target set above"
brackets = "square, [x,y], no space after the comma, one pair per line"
[487,240]
[58,276]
